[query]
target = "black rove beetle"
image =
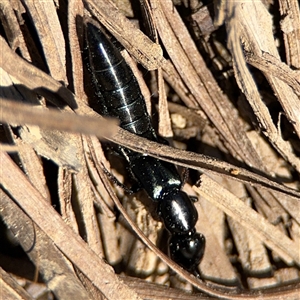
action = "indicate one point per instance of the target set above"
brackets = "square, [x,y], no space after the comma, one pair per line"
[121,96]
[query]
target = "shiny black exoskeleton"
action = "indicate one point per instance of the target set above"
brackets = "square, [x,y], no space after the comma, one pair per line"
[122,99]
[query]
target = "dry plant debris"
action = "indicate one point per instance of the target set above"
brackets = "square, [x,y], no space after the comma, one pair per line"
[225,76]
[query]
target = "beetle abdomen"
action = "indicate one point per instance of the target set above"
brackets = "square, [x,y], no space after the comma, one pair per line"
[117,84]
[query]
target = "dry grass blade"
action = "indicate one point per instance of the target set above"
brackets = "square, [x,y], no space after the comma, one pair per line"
[232,206]
[188,62]
[76,33]
[198,162]
[290,13]
[139,45]
[17,113]
[10,289]
[17,185]
[23,71]
[266,62]
[42,251]
[255,33]
[43,14]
